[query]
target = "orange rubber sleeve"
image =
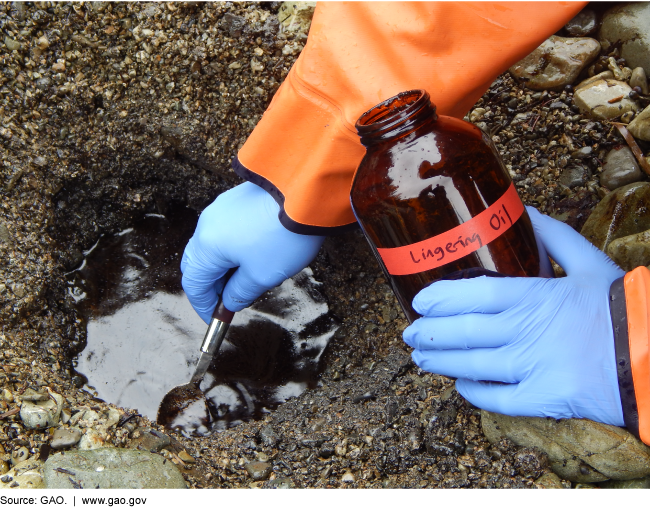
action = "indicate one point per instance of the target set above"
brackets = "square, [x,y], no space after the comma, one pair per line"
[305,149]
[637,297]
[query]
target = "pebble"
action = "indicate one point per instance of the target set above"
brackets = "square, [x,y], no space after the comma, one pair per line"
[549,481]
[573,176]
[186,457]
[31,395]
[593,79]
[26,475]
[282,483]
[631,251]
[63,438]
[258,471]
[296,16]
[594,99]
[640,126]
[560,59]
[91,440]
[579,450]
[11,44]
[623,212]
[116,468]
[41,414]
[620,168]
[626,27]
[6,394]
[583,23]
[639,79]
[4,467]
[348,477]
[151,440]
[268,436]
[19,455]
[43,43]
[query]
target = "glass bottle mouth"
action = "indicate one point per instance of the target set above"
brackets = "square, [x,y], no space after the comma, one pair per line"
[395,116]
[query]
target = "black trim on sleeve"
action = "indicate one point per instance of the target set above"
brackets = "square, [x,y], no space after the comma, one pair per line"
[285,220]
[618,312]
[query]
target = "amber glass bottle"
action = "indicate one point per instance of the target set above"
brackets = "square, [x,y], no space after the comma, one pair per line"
[435,200]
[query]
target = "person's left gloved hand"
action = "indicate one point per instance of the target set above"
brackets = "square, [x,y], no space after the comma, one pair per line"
[527,346]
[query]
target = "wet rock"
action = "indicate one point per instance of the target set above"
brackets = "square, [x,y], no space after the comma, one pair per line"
[620,168]
[4,467]
[579,450]
[111,468]
[549,481]
[640,126]
[41,414]
[574,176]
[556,63]
[268,436]
[258,471]
[19,455]
[64,438]
[639,79]
[631,251]
[593,79]
[623,212]
[582,24]
[26,475]
[582,153]
[605,99]
[150,440]
[639,483]
[296,16]
[92,440]
[626,26]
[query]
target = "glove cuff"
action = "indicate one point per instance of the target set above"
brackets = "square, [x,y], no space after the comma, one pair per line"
[618,312]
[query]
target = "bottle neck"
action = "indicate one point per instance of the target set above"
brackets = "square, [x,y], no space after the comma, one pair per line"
[396,117]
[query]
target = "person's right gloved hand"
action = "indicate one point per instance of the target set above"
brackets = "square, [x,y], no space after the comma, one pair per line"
[527,346]
[241,229]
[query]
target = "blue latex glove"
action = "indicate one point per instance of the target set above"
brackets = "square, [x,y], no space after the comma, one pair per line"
[241,229]
[550,340]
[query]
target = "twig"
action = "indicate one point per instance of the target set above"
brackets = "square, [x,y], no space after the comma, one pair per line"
[12,412]
[633,146]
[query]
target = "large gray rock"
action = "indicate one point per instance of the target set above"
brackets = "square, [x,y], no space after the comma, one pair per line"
[111,468]
[631,251]
[620,168]
[623,212]
[557,62]
[594,99]
[626,26]
[640,126]
[579,450]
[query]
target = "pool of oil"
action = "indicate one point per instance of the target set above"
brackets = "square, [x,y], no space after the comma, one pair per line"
[143,336]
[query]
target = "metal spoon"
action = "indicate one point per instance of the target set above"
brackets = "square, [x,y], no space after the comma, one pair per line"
[180,397]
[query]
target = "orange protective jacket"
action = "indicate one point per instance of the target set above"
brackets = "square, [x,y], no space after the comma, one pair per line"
[305,150]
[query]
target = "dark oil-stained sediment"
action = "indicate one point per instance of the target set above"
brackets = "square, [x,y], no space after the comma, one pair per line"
[143,336]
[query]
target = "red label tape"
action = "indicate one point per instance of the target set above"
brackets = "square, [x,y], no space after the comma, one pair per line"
[457,242]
